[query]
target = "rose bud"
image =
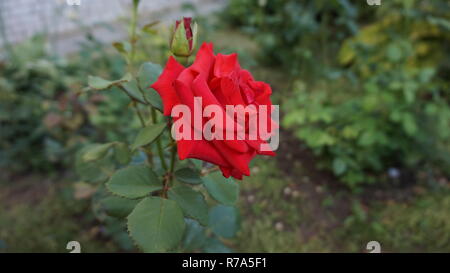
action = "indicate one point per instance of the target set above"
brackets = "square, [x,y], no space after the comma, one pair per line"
[184,38]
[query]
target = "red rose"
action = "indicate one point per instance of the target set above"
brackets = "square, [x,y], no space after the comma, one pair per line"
[218,80]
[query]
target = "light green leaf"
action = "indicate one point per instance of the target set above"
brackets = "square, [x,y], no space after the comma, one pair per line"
[117,206]
[148,134]
[98,83]
[134,182]
[225,191]
[188,175]
[191,202]
[224,221]
[156,224]
[98,151]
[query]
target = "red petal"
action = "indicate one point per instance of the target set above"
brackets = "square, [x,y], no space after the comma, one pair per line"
[164,84]
[204,60]
[226,65]
[200,149]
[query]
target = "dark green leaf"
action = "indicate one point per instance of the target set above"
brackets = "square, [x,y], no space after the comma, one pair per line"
[94,171]
[117,206]
[225,191]
[148,134]
[98,83]
[148,74]
[194,237]
[121,153]
[134,182]
[97,151]
[156,224]
[191,202]
[188,175]
[224,220]
[132,89]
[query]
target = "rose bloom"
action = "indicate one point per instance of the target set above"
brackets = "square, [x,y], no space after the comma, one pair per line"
[218,80]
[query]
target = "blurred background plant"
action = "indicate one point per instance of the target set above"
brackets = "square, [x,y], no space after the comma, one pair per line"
[364,147]
[393,115]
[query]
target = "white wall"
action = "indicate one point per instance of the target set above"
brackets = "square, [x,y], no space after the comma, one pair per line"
[23,18]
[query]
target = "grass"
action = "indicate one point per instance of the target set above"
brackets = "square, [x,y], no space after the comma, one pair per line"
[278,217]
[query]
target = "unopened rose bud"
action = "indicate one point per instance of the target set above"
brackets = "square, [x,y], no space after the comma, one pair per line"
[184,38]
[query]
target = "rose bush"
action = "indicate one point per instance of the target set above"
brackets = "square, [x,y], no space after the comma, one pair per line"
[168,205]
[217,80]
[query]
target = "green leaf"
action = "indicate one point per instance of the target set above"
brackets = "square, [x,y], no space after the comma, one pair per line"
[191,202]
[339,166]
[156,224]
[224,221]
[96,152]
[117,206]
[98,83]
[148,74]
[188,175]
[121,153]
[148,134]
[134,182]
[194,237]
[225,191]
[154,99]
[132,90]
[94,171]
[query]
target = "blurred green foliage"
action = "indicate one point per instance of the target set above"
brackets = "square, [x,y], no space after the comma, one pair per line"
[297,35]
[34,90]
[370,92]
[393,113]
[44,114]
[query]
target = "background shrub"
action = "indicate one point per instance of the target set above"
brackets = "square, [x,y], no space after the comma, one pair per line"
[390,114]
